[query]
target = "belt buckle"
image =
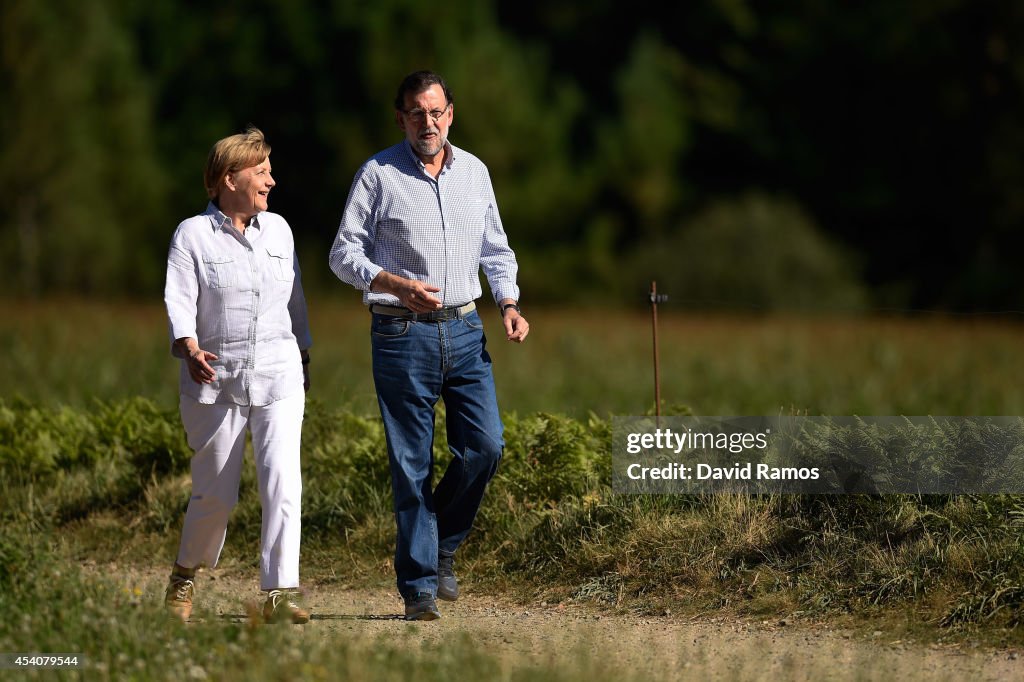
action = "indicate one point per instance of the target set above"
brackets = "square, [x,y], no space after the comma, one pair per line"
[442,315]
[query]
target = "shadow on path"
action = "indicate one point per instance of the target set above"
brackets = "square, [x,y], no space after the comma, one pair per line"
[242,618]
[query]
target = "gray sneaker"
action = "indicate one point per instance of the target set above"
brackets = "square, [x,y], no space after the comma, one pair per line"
[447,585]
[421,606]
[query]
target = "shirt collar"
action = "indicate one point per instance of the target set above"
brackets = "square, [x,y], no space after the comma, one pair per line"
[218,219]
[449,151]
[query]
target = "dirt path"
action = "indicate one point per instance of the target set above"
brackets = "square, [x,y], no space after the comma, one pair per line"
[659,647]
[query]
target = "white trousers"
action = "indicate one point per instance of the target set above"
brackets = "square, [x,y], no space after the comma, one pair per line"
[216,433]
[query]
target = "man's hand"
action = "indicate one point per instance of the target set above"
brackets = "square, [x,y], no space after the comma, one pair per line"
[516,326]
[415,295]
[418,297]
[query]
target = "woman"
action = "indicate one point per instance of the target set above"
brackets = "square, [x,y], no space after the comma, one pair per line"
[238,322]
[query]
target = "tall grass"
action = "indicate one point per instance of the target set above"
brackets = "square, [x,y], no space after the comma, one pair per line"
[93,463]
[122,633]
[550,528]
[575,361]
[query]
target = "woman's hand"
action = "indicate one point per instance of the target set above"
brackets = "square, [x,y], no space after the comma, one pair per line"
[198,367]
[196,359]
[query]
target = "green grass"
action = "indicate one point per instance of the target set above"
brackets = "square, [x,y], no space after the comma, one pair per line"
[93,464]
[113,482]
[124,633]
[575,361]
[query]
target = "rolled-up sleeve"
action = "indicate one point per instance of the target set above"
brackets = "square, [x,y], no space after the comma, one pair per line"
[181,292]
[352,251]
[497,258]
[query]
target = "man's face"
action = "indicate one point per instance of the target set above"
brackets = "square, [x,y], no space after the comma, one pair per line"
[425,133]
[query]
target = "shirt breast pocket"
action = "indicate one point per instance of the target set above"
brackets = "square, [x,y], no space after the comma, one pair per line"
[220,271]
[281,265]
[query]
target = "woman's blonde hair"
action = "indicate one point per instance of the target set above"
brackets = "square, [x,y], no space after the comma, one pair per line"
[233,154]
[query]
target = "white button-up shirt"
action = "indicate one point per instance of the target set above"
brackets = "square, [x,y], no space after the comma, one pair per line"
[240,296]
[440,231]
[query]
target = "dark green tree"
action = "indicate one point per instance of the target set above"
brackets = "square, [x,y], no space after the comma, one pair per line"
[79,166]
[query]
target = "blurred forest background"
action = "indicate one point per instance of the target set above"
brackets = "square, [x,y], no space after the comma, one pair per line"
[804,155]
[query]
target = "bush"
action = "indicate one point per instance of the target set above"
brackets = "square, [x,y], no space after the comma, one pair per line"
[550,520]
[755,252]
[36,443]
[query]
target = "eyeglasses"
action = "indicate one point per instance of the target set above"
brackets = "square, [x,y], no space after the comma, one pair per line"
[420,115]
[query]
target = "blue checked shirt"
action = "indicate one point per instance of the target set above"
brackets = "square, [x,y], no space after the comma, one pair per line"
[440,231]
[240,296]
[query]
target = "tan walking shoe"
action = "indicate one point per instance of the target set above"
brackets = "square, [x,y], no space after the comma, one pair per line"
[178,597]
[280,607]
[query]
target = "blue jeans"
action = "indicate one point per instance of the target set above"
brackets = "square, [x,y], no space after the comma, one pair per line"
[414,364]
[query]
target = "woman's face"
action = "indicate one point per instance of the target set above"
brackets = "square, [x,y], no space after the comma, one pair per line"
[246,191]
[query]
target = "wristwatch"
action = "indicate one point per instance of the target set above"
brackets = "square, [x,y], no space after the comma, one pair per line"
[513,306]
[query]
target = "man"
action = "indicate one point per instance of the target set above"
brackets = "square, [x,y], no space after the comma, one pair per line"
[419,224]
